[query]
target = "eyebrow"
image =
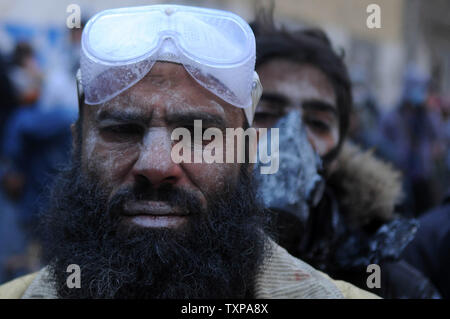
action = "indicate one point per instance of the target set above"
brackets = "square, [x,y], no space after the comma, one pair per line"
[188,118]
[275,98]
[317,105]
[122,116]
[180,118]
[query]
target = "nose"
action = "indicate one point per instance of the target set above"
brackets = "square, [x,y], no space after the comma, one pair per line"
[155,164]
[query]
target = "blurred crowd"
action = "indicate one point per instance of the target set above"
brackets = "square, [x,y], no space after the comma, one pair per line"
[413,135]
[39,103]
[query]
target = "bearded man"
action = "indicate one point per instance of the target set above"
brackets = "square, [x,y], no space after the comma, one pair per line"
[137,223]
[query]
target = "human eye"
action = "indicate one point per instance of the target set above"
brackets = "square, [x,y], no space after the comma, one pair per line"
[122,132]
[316,124]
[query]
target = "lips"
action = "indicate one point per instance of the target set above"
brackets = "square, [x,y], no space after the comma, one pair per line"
[151,208]
[153,214]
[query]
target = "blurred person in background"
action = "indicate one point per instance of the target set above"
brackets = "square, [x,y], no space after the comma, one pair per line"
[26,75]
[439,107]
[36,141]
[26,79]
[11,236]
[354,223]
[365,116]
[411,134]
[446,120]
[8,98]
[59,88]
[429,251]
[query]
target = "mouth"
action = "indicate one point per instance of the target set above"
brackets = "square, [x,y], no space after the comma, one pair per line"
[154,214]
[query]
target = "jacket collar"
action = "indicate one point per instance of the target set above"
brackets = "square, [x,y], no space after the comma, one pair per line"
[366,187]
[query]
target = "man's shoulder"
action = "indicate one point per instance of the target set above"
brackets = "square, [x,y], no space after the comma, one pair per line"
[350,291]
[281,276]
[16,288]
[284,276]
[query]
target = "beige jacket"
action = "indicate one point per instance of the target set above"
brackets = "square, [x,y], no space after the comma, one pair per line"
[281,276]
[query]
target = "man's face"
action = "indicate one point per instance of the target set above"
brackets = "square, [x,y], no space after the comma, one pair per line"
[289,85]
[126,143]
[141,226]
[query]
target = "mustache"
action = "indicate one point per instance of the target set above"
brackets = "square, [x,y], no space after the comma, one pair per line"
[174,196]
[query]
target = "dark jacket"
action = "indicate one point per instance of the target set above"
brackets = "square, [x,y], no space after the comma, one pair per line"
[430,250]
[8,98]
[37,142]
[354,225]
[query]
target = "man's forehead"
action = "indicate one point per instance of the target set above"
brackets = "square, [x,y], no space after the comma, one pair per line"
[296,81]
[168,88]
[149,101]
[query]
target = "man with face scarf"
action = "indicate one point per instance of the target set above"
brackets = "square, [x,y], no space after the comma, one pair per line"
[345,222]
[140,225]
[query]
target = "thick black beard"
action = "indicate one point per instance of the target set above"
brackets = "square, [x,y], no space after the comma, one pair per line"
[215,256]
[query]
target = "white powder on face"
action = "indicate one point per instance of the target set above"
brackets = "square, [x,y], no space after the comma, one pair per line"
[217,107]
[156,149]
[177,103]
[90,141]
[299,91]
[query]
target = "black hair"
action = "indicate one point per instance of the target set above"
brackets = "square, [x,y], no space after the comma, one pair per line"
[22,51]
[308,46]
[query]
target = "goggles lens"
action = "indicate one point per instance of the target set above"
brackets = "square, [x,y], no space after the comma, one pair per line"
[120,46]
[135,34]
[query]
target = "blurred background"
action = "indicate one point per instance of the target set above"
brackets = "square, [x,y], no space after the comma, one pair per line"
[407,59]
